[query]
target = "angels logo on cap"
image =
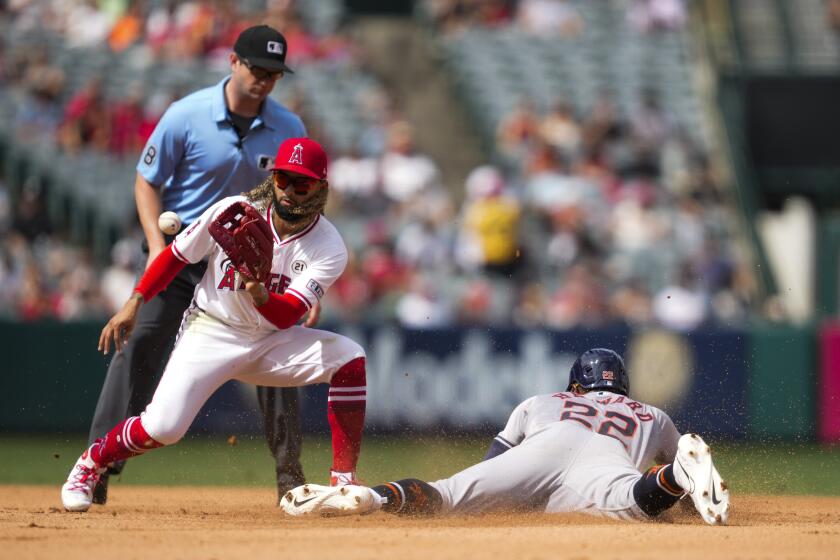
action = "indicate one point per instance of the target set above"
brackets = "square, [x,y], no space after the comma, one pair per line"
[297,155]
[302,155]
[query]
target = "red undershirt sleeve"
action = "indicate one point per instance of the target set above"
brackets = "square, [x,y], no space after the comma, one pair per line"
[282,310]
[160,273]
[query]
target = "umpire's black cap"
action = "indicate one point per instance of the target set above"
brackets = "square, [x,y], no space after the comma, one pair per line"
[264,47]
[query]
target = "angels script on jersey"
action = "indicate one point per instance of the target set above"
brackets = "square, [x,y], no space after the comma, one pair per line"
[276,283]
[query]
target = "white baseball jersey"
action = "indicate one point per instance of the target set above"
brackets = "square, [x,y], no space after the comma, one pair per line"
[568,453]
[224,337]
[305,265]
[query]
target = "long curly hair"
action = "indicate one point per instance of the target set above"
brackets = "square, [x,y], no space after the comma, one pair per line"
[262,195]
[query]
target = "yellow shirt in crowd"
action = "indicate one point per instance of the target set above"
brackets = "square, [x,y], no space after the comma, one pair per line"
[495,224]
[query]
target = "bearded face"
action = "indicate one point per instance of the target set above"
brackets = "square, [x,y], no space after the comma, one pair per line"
[297,199]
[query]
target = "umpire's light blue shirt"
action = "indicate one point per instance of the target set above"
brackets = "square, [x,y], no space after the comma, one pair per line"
[196,157]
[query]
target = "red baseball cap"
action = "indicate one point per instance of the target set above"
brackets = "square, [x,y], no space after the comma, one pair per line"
[302,155]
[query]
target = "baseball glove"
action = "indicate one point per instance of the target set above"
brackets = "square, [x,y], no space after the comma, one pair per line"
[246,239]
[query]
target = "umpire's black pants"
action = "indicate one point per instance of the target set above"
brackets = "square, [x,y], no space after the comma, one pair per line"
[134,374]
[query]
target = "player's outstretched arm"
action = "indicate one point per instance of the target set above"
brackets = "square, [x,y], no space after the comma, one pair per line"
[514,431]
[161,272]
[121,324]
[496,448]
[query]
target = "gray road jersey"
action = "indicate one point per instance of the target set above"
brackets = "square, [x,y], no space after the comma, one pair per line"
[580,453]
[646,433]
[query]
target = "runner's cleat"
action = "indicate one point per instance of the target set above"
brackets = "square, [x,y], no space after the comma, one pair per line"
[329,501]
[696,474]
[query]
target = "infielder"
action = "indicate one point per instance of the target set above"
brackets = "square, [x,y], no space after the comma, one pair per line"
[207,146]
[238,328]
[581,450]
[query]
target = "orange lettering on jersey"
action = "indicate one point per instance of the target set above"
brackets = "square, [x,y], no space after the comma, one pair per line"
[636,407]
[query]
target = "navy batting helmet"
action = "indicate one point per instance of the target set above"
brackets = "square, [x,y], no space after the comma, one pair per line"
[599,369]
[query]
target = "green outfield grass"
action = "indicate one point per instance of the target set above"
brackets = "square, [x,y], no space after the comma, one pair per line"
[753,468]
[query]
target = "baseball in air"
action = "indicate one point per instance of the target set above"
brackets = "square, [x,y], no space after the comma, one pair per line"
[169,223]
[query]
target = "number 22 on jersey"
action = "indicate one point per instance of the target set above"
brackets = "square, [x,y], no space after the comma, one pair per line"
[611,423]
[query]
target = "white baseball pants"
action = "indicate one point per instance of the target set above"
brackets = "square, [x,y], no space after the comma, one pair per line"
[209,353]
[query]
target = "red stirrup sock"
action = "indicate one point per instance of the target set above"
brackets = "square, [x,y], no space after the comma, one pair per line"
[346,414]
[127,439]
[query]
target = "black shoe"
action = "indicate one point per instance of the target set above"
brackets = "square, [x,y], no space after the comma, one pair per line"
[100,491]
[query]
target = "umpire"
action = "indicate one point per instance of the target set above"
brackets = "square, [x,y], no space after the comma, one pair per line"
[213,143]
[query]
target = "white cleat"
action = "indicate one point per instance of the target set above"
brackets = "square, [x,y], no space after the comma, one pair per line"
[330,501]
[695,472]
[77,492]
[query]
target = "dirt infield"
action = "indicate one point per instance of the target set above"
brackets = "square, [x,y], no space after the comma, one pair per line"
[222,523]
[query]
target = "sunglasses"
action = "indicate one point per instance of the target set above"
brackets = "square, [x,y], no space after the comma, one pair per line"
[262,73]
[283,181]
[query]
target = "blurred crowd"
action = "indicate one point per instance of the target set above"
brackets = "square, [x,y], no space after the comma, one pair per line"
[146,34]
[549,17]
[585,219]
[44,276]
[589,221]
